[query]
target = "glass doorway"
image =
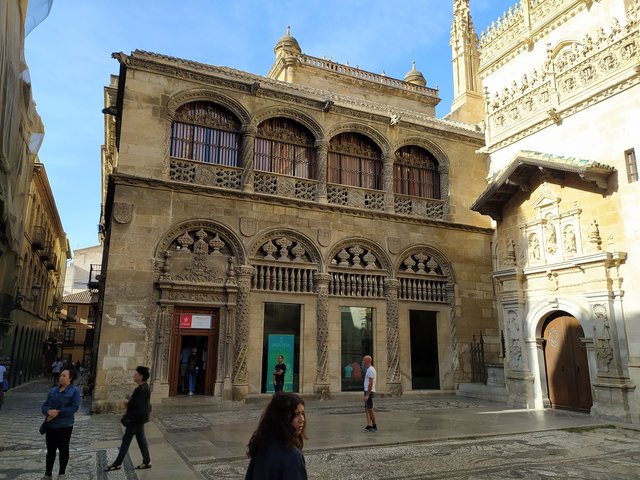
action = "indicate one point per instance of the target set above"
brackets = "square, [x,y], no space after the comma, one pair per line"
[357,341]
[281,337]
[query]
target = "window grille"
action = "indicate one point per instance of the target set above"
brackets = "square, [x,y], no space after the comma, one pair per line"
[354,160]
[415,173]
[205,132]
[284,147]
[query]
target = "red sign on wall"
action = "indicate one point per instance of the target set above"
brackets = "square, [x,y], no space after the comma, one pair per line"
[185,321]
[195,321]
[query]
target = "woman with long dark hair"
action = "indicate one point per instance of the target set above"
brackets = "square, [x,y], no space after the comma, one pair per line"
[63,401]
[275,448]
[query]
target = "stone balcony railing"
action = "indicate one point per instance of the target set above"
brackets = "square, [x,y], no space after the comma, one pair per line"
[578,70]
[364,75]
[294,188]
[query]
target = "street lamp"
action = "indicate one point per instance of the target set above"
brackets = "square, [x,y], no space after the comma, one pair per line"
[21,298]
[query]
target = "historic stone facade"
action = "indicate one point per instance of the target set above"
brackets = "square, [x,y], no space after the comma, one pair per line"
[323,204]
[562,91]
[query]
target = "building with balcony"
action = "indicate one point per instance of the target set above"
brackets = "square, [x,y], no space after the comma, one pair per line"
[323,212]
[21,133]
[78,315]
[318,212]
[34,338]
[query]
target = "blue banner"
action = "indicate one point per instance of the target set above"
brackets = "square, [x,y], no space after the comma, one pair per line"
[279,345]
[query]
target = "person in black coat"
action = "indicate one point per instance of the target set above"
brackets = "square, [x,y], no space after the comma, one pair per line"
[135,418]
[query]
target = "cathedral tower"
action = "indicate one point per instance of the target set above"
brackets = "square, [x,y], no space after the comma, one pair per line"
[467,95]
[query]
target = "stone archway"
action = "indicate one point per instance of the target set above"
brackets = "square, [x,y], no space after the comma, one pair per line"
[566,363]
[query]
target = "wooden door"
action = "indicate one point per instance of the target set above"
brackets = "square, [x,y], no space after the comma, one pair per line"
[567,365]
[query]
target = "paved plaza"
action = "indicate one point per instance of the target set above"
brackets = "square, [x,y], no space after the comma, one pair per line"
[420,437]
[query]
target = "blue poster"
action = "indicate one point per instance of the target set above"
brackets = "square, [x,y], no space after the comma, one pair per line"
[280,345]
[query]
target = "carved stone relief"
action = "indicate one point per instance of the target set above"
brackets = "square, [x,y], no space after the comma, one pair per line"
[122,212]
[553,235]
[514,332]
[602,338]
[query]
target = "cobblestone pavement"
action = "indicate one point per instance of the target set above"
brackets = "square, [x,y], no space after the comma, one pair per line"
[420,437]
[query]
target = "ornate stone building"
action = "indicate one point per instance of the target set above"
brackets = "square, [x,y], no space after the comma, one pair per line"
[562,94]
[321,212]
[324,211]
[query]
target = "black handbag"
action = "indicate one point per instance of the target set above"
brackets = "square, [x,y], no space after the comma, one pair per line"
[44,427]
[125,421]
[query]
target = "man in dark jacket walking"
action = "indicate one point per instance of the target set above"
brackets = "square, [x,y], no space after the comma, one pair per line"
[135,418]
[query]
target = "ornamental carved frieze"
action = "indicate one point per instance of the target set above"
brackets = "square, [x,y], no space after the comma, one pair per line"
[198,256]
[575,68]
[284,246]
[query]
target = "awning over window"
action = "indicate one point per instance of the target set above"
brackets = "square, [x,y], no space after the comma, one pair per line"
[528,166]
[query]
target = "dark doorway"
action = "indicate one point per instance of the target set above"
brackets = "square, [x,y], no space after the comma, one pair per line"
[193,329]
[567,365]
[425,369]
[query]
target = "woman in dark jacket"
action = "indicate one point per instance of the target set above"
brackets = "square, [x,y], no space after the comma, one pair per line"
[275,447]
[63,401]
[135,418]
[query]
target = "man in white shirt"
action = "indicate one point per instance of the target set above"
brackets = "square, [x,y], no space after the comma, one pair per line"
[369,392]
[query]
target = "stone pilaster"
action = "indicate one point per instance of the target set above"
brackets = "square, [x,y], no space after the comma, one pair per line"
[247,142]
[387,179]
[322,150]
[240,381]
[394,384]
[322,339]
[160,368]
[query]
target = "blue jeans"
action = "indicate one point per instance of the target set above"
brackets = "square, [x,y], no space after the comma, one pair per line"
[192,381]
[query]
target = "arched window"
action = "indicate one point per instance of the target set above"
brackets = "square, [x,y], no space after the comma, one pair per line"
[354,160]
[205,132]
[415,173]
[285,147]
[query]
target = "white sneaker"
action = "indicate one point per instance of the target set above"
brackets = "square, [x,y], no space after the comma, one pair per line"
[190,393]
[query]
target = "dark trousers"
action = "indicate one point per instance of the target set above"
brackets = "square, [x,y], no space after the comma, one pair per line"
[58,439]
[138,431]
[278,387]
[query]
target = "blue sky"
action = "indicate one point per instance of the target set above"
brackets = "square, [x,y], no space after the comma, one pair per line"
[69,59]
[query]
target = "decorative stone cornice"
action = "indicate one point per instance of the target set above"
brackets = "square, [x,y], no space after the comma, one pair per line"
[305,96]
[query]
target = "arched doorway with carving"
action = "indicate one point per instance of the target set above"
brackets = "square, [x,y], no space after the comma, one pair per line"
[566,363]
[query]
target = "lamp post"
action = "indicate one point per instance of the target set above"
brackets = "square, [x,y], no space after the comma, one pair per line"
[21,298]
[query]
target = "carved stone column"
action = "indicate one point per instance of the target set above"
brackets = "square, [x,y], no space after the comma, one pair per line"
[322,338]
[247,142]
[455,345]
[394,384]
[227,369]
[240,381]
[322,150]
[160,369]
[387,180]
